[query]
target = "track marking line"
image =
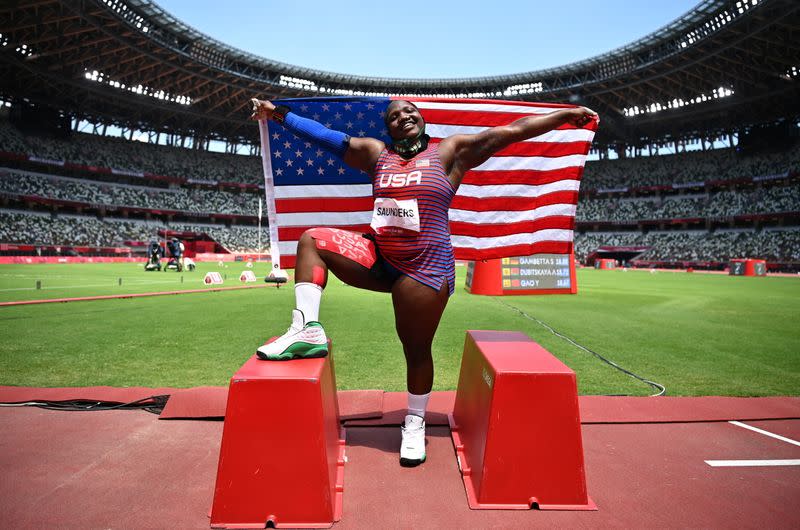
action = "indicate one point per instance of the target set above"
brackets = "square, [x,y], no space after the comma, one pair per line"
[751,463]
[765,433]
[757,463]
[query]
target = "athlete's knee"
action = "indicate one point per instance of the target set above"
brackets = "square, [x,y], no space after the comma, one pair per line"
[416,348]
[307,239]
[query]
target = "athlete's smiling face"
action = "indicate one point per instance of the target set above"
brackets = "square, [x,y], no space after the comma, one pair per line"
[403,120]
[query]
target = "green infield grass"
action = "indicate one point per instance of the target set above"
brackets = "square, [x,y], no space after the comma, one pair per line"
[696,334]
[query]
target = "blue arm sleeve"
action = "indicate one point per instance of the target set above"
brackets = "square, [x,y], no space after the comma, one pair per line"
[334,141]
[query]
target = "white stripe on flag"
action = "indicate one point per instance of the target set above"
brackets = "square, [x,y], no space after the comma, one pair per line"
[515,239]
[324,218]
[288,248]
[436,130]
[332,191]
[504,217]
[517,190]
[540,163]
[486,107]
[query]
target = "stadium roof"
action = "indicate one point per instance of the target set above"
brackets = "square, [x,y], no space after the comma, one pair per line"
[723,65]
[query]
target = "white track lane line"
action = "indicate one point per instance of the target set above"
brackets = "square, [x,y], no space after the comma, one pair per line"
[751,463]
[757,463]
[765,433]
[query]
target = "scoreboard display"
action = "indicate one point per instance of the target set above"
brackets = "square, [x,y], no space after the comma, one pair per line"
[541,271]
[536,274]
[747,267]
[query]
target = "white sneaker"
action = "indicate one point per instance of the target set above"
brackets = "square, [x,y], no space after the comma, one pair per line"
[303,340]
[412,449]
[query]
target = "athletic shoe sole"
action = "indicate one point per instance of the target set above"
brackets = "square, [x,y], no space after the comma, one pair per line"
[312,353]
[411,462]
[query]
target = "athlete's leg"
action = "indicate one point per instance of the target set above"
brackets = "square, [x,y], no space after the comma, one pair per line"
[314,262]
[349,256]
[418,309]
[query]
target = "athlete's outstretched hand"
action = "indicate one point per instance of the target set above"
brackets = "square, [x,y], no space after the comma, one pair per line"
[261,109]
[581,116]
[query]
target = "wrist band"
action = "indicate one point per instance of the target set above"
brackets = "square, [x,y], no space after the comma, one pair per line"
[280,112]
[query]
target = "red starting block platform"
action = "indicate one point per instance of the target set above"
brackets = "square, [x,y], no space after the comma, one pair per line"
[282,455]
[516,426]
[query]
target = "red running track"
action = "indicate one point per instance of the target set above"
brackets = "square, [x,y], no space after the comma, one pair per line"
[128,469]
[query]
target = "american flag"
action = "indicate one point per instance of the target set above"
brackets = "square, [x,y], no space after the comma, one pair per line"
[520,202]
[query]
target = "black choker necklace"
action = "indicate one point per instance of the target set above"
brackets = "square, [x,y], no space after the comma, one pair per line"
[410,147]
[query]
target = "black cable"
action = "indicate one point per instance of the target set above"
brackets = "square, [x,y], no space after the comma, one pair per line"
[152,404]
[661,388]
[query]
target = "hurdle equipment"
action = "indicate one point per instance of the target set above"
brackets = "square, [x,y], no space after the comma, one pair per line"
[212,278]
[281,460]
[247,277]
[516,426]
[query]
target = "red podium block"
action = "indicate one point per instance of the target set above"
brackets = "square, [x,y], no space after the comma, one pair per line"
[282,454]
[516,426]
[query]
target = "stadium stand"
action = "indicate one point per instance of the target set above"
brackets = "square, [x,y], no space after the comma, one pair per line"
[692,167]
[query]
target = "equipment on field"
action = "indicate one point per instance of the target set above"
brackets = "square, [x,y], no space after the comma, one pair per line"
[154,254]
[175,262]
[277,275]
[247,277]
[523,275]
[747,267]
[277,467]
[516,426]
[212,278]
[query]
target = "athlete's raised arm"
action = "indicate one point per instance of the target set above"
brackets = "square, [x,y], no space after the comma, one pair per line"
[359,153]
[462,152]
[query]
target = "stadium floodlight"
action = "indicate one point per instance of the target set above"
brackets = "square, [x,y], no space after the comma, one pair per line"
[101,77]
[129,15]
[526,88]
[296,82]
[24,50]
[651,108]
[716,23]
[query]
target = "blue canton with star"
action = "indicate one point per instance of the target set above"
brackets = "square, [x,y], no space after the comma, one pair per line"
[296,161]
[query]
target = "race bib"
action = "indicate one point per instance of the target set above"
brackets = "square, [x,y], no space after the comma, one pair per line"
[395,217]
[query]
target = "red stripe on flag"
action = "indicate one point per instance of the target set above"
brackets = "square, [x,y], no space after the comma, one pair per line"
[450,101]
[543,247]
[316,204]
[550,149]
[513,204]
[458,228]
[521,176]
